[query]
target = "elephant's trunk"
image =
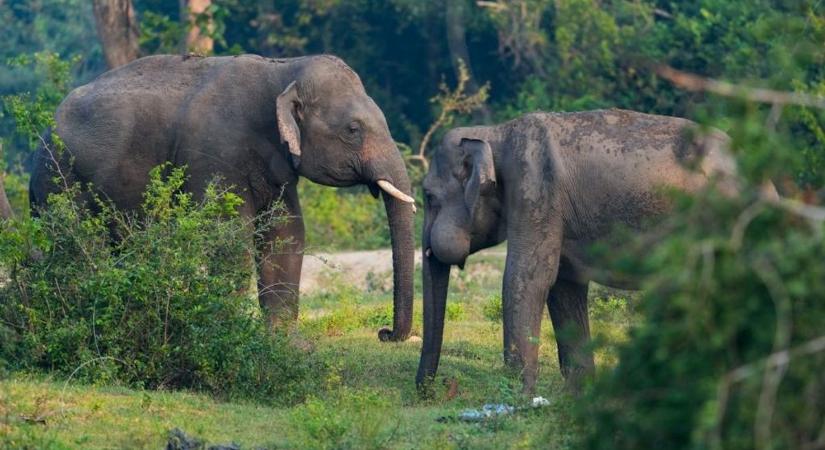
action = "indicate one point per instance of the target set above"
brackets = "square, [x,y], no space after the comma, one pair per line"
[436,281]
[400,218]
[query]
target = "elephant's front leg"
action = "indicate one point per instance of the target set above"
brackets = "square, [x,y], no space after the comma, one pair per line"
[567,304]
[281,254]
[532,266]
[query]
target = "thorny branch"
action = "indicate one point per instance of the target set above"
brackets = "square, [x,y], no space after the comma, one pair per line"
[770,363]
[451,102]
[698,83]
[48,149]
[773,360]
[782,339]
[774,365]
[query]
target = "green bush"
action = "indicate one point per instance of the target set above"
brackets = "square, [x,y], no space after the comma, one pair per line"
[350,419]
[493,308]
[165,305]
[454,311]
[738,281]
[728,351]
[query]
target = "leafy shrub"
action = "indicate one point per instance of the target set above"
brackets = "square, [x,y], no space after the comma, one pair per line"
[164,305]
[349,419]
[493,309]
[610,308]
[738,285]
[454,311]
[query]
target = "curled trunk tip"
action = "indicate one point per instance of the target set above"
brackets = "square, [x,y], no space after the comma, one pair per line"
[385,334]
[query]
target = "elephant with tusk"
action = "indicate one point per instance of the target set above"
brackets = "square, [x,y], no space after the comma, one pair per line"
[258,123]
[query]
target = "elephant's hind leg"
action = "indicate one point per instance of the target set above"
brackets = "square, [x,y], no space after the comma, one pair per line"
[567,303]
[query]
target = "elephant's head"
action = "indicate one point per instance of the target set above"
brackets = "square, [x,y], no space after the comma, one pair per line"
[462,215]
[336,135]
[461,198]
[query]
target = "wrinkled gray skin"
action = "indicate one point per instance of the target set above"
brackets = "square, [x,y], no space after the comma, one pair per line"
[258,123]
[552,185]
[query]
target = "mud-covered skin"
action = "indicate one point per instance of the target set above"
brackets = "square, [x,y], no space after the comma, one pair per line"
[259,124]
[552,185]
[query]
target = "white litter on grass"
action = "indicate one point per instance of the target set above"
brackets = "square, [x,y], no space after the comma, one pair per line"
[538,402]
[486,412]
[492,410]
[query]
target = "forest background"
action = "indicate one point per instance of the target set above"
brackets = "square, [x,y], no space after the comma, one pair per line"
[723,348]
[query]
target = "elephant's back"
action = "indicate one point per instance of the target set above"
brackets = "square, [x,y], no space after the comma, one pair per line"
[643,149]
[130,98]
[161,81]
[167,74]
[618,132]
[616,165]
[132,115]
[125,122]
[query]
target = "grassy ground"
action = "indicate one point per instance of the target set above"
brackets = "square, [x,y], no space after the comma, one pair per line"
[369,400]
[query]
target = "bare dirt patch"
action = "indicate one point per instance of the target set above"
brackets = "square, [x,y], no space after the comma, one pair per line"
[352,267]
[355,267]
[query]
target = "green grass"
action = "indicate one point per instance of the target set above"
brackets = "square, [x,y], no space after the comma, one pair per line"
[369,402]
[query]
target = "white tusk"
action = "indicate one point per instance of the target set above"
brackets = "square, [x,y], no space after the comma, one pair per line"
[392,190]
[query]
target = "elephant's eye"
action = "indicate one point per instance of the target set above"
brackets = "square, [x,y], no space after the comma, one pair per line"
[354,127]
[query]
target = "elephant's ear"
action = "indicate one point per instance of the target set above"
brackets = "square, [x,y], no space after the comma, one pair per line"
[289,111]
[482,180]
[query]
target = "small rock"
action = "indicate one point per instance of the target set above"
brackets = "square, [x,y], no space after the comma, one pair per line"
[179,440]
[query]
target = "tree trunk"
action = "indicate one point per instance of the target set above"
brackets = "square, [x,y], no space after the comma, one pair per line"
[196,40]
[5,207]
[117,28]
[457,44]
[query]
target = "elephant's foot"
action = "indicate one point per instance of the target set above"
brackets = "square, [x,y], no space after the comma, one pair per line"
[295,338]
[281,310]
[575,377]
[528,384]
[281,320]
[527,370]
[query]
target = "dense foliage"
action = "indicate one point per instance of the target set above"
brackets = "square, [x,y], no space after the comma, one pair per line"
[165,305]
[535,54]
[730,351]
[726,356]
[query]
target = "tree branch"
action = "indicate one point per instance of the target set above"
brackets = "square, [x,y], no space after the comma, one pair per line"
[697,83]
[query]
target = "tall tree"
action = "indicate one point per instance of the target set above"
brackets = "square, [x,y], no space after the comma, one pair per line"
[117,28]
[457,44]
[197,12]
[5,207]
